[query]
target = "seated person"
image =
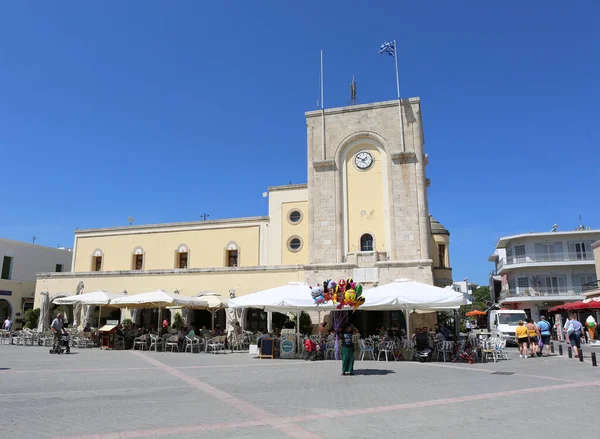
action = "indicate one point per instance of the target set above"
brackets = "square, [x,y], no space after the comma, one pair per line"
[421,340]
[192,333]
[331,336]
[217,331]
[265,334]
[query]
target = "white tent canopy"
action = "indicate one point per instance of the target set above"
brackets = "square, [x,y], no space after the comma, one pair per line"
[93,298]
[402,294]
[410,295]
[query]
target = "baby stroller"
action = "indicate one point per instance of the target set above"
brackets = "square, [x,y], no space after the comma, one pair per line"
[422,349]
[312,350]
[63,345]
[466,352]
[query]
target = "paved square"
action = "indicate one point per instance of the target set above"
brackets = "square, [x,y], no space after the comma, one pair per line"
[117,394]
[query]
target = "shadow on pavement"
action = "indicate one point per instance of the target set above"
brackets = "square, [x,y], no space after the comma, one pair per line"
[373,371]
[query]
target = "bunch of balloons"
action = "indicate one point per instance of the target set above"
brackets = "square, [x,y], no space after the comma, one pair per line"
[343,293]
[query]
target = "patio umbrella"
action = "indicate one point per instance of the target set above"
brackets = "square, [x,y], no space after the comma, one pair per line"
[154,299]
[94,298]
[475,313]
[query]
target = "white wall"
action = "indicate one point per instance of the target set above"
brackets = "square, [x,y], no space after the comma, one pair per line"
[29,259]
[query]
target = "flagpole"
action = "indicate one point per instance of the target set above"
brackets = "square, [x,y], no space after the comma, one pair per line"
[399,100]
[323,155]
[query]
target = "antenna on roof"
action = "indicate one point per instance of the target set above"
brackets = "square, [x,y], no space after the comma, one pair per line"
[580,226]
[33,240]
[554,228]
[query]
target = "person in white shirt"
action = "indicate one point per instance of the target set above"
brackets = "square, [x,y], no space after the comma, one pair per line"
[7,324]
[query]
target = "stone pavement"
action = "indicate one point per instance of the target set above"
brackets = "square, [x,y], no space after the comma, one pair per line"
[116,394]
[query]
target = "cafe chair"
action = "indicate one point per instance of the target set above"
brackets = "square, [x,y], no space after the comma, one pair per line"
[141,342]
[366,349]
[172,342]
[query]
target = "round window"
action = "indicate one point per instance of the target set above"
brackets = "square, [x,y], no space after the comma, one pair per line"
[295,244]
[295,216]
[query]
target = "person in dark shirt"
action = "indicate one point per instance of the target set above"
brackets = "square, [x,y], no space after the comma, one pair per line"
[347,349]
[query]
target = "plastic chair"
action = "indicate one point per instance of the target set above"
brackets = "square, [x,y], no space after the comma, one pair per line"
[141,342]
[155,342]
[386,348]
[172,342]
[366,349]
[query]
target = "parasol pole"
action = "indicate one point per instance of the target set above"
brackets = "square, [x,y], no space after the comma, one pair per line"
[99,314]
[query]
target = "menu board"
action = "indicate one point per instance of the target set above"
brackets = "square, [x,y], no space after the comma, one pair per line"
[287,346]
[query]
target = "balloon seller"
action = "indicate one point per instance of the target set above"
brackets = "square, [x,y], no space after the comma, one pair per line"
[346,333]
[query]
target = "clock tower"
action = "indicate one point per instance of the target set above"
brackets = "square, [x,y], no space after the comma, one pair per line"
[367,193]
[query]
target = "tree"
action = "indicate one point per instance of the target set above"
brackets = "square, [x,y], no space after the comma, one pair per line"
[482,294]
[32,317]
[178,322]
[305,323]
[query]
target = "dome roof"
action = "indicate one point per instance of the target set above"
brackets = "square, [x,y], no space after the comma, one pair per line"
[437,228]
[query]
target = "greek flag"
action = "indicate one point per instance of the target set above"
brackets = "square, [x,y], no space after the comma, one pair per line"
[388,48]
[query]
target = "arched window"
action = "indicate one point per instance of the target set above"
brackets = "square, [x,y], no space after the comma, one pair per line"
[366,243]
[137,259]
[232,254]
[182,256]
[97,259]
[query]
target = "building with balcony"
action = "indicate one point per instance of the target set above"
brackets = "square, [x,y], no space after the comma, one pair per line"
[536,271]
[19,263]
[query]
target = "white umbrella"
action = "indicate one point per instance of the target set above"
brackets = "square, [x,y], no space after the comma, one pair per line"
[156,299]
[94,298]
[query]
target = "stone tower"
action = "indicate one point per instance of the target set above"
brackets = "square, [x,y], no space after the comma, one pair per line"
[367,193]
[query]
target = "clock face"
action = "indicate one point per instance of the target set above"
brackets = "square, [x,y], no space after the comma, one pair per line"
[363,160]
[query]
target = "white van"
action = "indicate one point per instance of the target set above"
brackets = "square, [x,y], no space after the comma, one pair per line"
[502,322]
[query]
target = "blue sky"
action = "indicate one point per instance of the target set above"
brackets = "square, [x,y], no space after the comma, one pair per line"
[166,110]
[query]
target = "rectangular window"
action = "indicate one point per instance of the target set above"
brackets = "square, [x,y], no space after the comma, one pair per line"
[6,267]
[442,255]
[580,251]
[232,258]
[548,252]
[553,285]
[523,286]
[58,268]
[183,260]
[139,262]
[97,263]
[520,253]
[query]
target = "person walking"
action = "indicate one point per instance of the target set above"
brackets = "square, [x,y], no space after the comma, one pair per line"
[347,350]
[532,333]
[545,329]
[590,322]
[574,329]
[522,339]
[56,327]
[7,324]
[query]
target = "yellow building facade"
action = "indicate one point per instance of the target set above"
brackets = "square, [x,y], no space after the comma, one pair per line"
[363,214]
